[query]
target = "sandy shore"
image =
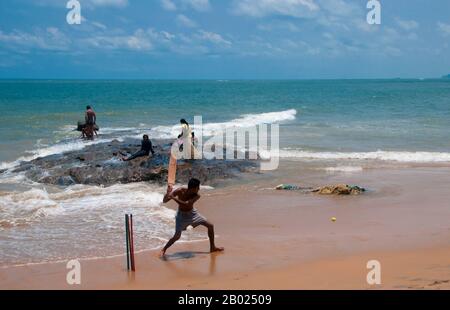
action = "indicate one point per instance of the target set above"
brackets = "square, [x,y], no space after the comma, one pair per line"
[285,240]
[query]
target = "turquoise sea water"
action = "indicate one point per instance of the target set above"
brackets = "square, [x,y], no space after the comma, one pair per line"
[339,125]
[331,115]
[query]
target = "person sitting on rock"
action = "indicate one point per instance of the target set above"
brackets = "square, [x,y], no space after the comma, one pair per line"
[146,148]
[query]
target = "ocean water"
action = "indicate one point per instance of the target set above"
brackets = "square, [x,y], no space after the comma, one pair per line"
[339,122]
[333,116]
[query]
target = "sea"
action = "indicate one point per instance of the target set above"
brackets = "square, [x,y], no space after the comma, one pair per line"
[339,125]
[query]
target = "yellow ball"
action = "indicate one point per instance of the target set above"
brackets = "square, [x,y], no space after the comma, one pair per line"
[333,219]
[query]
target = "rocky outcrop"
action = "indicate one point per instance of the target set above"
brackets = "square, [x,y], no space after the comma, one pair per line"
[100,164]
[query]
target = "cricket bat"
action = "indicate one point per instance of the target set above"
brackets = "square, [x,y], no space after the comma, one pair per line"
[172,171]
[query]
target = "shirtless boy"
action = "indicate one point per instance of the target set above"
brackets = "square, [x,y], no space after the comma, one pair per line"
[187,215]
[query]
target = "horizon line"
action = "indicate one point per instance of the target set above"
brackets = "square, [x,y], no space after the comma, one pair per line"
[222,79]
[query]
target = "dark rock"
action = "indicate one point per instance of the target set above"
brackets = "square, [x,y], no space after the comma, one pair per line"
[94,165]
[65,181]
[23,168]
[35,174]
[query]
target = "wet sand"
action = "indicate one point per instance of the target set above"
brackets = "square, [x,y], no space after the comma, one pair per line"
[286,240]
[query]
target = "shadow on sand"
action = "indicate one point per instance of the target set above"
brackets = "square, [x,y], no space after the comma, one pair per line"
[183,255]
[186,255]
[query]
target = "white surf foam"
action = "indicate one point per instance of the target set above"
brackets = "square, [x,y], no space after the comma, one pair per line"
[84,221]
[58,148]
[19,208]
[345,169]
[245,121]
[112,130]
[404,157]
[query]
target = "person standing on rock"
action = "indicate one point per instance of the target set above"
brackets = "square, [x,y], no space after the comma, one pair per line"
[186,141]
[90,119]
[146,148]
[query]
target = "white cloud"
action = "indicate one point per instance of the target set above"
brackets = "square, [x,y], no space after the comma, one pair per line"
[339,7]
[198,5]
[168,5]
[262,8]
[407,25]
[140,40]
[167,35]
[298,47]
[279,25]
[49,39]
[185,21]
[212,37]
[90,4]
[99,25]
[362,25]
[344,33]
[115,3]
[444,28]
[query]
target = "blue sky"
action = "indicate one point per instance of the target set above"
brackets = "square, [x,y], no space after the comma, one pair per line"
[231,39]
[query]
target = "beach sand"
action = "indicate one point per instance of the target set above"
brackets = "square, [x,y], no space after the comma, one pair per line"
[286,239]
